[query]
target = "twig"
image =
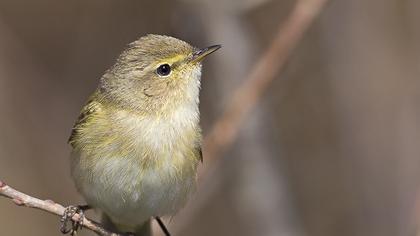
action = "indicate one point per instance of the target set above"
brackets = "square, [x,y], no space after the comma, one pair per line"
[245,98]
[22,199]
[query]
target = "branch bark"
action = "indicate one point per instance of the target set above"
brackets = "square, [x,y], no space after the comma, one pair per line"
[22,199]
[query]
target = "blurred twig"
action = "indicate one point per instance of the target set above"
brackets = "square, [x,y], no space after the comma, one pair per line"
[262,74]
[22,199]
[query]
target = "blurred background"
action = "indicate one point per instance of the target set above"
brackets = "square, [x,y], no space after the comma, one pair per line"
[331,149]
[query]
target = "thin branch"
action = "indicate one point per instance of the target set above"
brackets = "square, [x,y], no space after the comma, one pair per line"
[22,199]
[244,99]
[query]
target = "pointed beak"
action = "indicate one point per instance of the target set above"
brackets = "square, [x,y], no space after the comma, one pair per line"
[200,54]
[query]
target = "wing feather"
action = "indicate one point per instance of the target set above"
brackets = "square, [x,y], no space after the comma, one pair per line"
[88,111]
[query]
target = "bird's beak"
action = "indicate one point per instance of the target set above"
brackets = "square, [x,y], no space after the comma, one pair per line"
[200,54]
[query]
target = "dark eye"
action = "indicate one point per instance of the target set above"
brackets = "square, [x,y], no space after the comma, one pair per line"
[163,70]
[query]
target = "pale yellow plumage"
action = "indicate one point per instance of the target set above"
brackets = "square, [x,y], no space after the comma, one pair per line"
[137,142]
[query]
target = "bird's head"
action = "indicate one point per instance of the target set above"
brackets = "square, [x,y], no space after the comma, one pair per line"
[155,74]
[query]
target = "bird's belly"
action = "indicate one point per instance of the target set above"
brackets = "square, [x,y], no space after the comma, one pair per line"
[129,193]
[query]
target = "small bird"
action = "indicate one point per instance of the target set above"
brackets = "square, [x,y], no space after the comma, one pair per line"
[137,142]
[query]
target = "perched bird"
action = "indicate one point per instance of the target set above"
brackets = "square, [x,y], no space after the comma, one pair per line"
[137,142]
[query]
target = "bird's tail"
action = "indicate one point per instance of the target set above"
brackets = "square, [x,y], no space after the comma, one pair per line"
[144,230]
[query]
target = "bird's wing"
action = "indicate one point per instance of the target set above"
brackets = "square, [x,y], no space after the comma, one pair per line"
[89,110]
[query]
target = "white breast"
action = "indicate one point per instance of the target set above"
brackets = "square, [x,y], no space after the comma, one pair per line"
[164,130]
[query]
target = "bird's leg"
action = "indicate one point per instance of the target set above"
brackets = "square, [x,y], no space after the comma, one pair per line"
[68,214]
[162,226]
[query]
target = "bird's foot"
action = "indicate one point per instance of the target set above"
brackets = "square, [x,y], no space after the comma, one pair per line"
[67,217]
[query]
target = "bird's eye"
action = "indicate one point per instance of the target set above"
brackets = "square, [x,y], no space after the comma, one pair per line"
[163,70]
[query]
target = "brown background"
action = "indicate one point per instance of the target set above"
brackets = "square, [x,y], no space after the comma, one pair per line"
[332,149]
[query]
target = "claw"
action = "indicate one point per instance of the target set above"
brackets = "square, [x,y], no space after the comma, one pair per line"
[69,212]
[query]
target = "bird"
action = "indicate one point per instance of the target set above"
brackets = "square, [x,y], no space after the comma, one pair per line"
[136,144]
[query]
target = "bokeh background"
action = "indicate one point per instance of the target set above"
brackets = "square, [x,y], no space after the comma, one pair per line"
[331,149]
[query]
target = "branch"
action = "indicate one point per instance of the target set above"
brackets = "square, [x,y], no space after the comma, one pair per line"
[244,99]
[22,199]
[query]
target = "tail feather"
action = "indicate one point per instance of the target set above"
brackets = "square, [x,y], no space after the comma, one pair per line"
[143,230]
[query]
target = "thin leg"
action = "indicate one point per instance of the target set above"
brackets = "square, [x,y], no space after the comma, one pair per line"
[162,226]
